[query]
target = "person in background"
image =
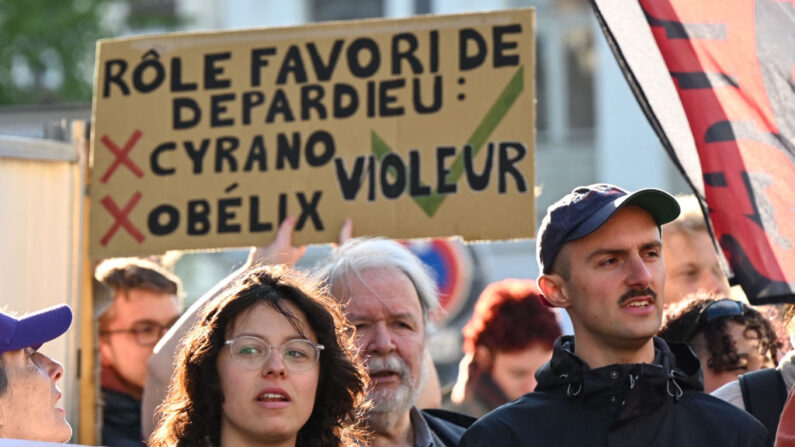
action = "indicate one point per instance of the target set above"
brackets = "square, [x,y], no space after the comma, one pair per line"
[28,391]
[613,383]
[763,393]
[692,265]
[509,337]
[389,296]
[143,304]
[270,362]
[728,337]
[691,260]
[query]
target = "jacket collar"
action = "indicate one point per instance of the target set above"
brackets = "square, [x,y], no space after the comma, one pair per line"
[675,369]
[110,379]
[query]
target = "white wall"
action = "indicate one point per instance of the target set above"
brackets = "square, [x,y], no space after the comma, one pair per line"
[453,6]
[261,13]
[398,8]
[220,14]
[40,237]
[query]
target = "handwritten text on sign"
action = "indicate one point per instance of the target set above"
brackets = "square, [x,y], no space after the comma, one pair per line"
[414,128]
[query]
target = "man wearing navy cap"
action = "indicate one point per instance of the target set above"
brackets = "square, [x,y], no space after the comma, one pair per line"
[612,383]
[28,394]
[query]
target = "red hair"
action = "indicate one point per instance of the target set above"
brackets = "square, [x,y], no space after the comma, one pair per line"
[510,316]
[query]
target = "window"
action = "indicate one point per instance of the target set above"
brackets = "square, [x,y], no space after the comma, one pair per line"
[580,57]
[323,10]
[565,64]
[541,87]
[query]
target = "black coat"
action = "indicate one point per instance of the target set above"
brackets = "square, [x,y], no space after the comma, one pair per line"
[448,426]
[121,420]
[660,404]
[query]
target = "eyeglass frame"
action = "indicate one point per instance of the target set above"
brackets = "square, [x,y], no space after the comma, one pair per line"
[266,358]
[137,332]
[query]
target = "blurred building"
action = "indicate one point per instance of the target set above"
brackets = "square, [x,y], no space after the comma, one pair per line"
[590,128]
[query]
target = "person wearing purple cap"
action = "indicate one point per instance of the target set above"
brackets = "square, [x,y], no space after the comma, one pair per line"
[28,394]
[612,383]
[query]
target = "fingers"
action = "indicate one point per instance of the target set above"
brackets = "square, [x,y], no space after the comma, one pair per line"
[346,232]
[284,236]
[281,250]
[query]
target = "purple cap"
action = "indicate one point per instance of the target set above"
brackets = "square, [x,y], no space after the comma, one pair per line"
[587,208]
[33,330]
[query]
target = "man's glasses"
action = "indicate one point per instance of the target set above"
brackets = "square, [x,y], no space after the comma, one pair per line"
[252,353]
[145,333]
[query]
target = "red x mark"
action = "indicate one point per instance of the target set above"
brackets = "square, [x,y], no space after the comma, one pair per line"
[121,156]
[121,218]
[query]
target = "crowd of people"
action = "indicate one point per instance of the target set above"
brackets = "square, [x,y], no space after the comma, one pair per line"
[276,357]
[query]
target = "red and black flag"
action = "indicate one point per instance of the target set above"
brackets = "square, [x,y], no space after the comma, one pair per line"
[716,80]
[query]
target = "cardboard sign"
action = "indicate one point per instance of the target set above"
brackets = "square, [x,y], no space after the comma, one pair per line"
[416,127]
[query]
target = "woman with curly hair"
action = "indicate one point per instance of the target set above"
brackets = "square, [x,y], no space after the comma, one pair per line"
[729,337]
[270,362]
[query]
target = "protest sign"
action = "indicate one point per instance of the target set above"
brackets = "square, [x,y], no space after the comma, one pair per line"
[417,127]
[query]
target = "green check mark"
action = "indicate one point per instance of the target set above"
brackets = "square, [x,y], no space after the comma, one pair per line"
[430,204]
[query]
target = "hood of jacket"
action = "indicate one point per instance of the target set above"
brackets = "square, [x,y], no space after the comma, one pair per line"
[631,389]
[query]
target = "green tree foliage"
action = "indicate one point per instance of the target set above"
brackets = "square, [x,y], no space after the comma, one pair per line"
[47,47]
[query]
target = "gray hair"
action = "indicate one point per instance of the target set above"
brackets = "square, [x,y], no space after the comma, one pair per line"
[359,254]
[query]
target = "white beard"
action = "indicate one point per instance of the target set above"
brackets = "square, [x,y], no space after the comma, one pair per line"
[390,405]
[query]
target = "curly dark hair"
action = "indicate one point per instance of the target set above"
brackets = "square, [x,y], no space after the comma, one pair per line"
[191,414]
[682,325]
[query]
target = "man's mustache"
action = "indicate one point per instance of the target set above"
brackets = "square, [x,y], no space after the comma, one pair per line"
[395,364]
[634,293]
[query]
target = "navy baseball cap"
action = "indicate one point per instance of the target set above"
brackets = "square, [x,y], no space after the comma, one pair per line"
[33,330]
[587,208]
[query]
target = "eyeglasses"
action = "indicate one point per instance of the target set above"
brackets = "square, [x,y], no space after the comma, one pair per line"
[252,353]
[145,333]
[721,308]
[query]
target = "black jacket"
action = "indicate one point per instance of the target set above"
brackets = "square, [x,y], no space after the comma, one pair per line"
[448,426]
[121,420]
[659,404]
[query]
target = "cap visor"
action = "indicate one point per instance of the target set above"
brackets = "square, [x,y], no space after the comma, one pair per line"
[662,206]
[38,328]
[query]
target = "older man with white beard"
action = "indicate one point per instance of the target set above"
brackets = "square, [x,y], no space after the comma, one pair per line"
[389,297]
